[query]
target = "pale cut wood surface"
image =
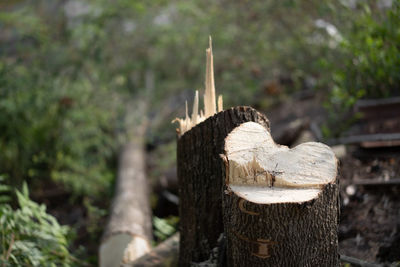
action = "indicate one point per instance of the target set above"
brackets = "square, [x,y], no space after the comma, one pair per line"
[255,159]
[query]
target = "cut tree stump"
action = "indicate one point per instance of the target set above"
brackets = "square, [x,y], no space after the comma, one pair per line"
[201,179]
[281,205]
[276,206]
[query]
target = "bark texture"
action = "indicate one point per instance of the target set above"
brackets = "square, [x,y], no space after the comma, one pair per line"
[201,181]
[282,234]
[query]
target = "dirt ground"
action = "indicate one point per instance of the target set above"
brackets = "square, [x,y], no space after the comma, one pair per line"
[370,214]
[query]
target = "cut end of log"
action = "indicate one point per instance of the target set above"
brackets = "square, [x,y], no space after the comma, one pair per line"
[210,105]
[261,171]
[121,248]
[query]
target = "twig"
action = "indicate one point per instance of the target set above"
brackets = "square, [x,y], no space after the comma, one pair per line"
[393,181]
[10,247]
[358,262]
[355,139]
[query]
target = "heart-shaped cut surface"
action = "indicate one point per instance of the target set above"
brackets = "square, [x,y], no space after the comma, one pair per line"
[254,159]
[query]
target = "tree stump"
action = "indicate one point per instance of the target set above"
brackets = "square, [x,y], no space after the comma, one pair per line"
[276,206]
[201,179]
[280,205]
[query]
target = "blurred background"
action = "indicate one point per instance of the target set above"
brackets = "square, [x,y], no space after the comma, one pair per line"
[77,77]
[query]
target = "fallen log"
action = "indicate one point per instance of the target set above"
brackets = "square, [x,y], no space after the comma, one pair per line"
[129,230]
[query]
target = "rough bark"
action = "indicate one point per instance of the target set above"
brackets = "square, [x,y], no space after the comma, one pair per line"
[282,234]
[128,233]
[201,179]
[164,255]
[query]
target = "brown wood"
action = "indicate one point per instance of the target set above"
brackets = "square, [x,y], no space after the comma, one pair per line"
[201,177]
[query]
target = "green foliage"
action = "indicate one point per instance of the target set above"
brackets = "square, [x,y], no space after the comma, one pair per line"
[95,215]
[164,228]
[4,191]
[58,116]
[371,65]
[31,237]
[372,51]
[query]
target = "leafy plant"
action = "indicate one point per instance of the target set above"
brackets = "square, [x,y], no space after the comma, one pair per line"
[164,228]
[4,191]
[58,118]
[371,65]
[31,237]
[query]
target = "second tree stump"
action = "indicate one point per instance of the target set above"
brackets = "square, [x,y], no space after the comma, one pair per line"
[280,205]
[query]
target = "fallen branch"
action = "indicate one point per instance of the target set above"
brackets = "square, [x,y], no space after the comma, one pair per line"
[358,262]
[393,181]
[357,139]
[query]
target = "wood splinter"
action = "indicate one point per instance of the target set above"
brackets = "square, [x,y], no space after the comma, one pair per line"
[290,198]
[210,107]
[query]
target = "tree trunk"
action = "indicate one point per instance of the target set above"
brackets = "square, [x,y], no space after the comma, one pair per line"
[201,177]
[282,234]
[280,205]
[129,231]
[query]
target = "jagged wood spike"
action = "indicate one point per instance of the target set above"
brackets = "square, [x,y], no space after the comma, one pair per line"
[210,105]
[195,112]
[186,111]
[220,103]
[209,100]
[212,82]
